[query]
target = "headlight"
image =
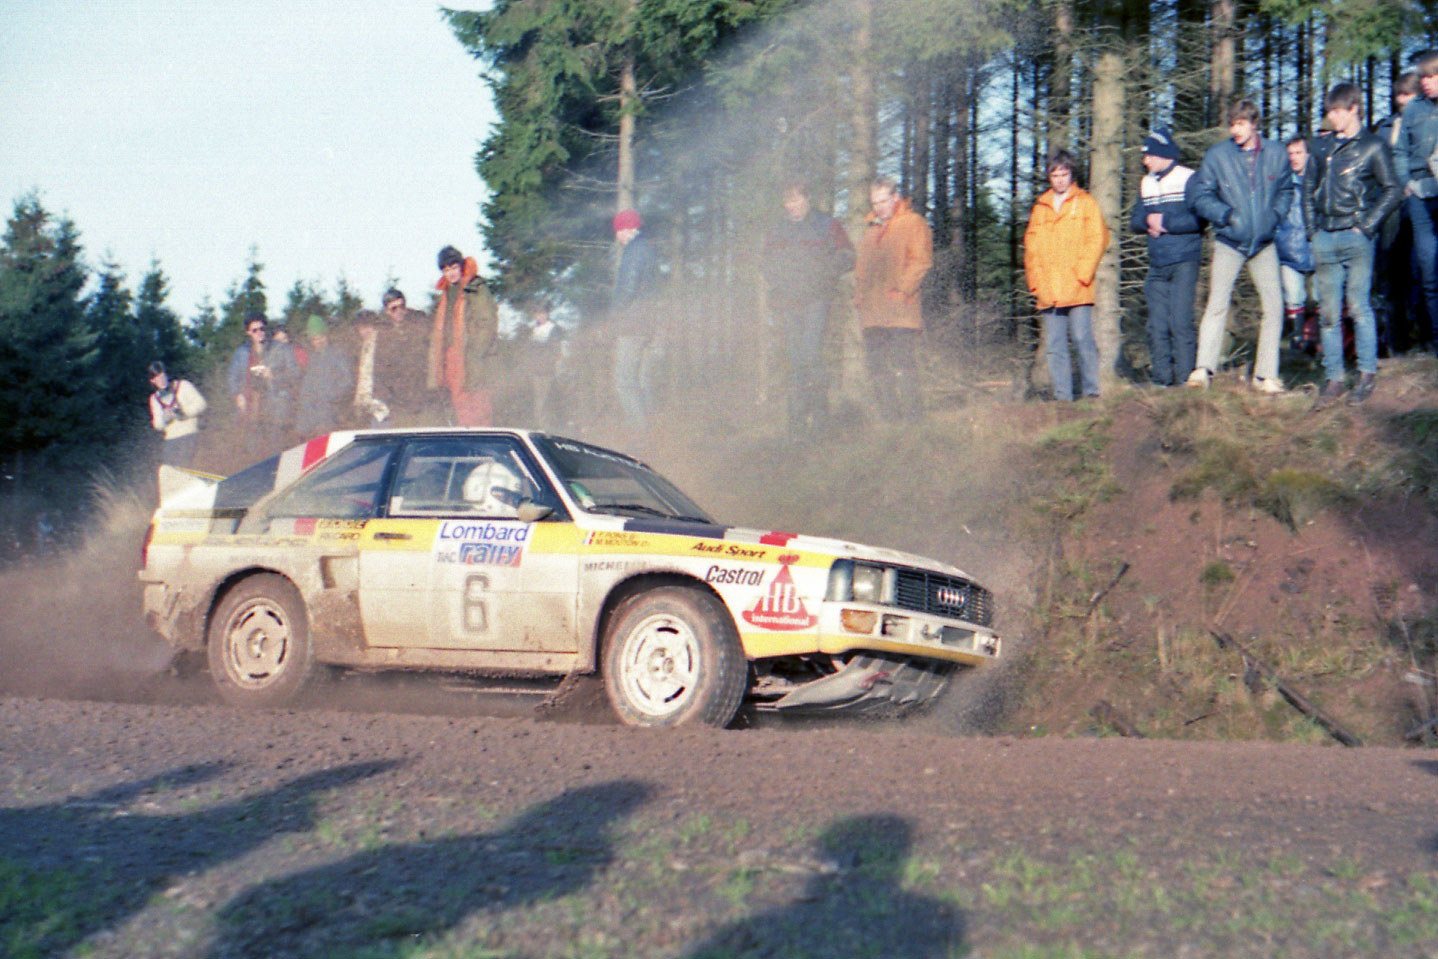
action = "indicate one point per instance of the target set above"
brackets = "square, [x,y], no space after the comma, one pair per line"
[868,584]
[851,582]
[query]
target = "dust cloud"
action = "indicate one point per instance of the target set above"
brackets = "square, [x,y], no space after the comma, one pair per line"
[72,624]
[71,621]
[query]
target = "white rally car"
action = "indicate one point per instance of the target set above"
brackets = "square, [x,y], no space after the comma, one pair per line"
[510,553]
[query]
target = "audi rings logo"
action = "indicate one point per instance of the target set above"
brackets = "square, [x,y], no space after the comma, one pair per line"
[949,596]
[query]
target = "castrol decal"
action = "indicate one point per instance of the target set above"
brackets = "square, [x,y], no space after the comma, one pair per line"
[780,607]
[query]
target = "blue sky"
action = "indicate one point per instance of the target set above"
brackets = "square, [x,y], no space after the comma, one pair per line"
[336,138]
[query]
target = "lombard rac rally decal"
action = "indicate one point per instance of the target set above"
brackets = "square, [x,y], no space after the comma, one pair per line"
[781,607]
[482,542]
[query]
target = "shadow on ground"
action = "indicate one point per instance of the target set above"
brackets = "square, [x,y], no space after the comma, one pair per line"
[860,909]
[382,897]
[71,869]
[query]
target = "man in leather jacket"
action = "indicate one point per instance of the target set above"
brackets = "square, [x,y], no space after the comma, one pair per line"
[1350,186]
[1244,188]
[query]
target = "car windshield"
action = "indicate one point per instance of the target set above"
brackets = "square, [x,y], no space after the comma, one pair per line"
[602,481]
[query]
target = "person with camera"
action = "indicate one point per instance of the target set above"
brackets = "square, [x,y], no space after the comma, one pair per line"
[175,408]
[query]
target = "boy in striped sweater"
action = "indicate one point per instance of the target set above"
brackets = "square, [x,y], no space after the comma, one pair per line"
[1174,234]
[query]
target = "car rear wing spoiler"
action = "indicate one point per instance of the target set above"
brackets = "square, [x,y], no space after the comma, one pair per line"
[187,489]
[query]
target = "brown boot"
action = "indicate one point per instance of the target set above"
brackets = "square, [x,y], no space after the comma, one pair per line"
[1332,390]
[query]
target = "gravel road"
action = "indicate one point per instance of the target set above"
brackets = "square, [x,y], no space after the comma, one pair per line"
[197,830]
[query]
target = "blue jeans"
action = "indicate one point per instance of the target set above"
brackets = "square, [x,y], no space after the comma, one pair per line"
[1172,337]
[634,379]
[1076,322]
[1423,215]
[1343,269]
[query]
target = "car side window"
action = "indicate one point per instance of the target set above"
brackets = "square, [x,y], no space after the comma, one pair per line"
[480,477]
[346,486]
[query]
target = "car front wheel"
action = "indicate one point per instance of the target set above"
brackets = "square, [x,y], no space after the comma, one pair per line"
[671,658]
[259,642]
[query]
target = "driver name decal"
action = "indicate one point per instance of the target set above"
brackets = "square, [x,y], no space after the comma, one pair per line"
[781,607]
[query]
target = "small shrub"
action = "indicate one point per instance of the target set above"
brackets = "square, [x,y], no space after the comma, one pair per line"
[1216,574]
[1223,466]
[1294,497]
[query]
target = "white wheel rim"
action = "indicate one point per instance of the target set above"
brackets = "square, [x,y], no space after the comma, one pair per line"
[659,666]
[257,644]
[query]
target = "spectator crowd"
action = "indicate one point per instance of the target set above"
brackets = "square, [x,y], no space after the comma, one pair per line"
[1346,218]
[1306,219]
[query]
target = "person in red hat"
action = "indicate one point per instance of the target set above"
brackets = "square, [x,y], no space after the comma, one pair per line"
[632,308]
[466,327]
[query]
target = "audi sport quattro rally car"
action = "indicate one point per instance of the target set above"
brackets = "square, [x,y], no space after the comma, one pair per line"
[511,553]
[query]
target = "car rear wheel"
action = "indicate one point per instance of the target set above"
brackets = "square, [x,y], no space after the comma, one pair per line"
[259,642]
[672,658]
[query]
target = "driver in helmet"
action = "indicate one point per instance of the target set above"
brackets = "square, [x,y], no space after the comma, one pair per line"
[494,489]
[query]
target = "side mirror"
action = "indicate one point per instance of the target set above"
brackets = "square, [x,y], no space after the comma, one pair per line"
[531,512]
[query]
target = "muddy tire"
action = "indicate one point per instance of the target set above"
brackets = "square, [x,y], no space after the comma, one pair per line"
[672,658]
[258,643]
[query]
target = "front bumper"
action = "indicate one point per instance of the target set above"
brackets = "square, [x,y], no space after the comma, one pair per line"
[871,685]
[849,627]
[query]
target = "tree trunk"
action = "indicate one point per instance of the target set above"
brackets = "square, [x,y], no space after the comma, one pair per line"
[1221,76]
[1016,290]
[941,172]
[1189,81]
[863,110]
[1106,185]
[863,167]
[1061,81]
[628,97]
[969,225]
[921,107]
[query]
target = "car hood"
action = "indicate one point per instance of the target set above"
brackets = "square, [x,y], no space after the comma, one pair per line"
[844,549]
[838,548]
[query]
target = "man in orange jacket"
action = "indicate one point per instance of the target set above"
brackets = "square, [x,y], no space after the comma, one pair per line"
[895,253]
[1064,241]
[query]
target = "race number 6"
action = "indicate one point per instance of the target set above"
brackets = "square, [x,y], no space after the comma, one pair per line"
[476,619]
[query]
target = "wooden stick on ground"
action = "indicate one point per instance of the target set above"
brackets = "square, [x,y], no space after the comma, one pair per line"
[1104,712]
[1097,597]
[1295,699]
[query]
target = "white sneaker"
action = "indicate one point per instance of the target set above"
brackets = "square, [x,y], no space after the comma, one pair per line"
[1269,385]
[1198,378]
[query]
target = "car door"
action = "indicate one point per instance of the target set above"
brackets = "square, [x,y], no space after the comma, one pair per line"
[452,566]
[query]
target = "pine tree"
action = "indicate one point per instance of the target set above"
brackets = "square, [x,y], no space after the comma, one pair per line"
[47,353]
[218,340]
[118,375]
[160,331]
[567,75]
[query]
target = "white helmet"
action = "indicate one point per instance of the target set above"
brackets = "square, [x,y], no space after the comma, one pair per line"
[493,489]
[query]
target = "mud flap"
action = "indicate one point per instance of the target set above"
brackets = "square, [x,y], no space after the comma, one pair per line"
[872,683]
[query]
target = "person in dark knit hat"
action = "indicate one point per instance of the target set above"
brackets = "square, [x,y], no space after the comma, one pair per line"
[1174,235]
[466,328]
[175,408]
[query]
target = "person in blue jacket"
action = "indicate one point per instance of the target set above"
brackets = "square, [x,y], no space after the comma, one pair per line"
[1244,187]
[1295,256]
[1174,235]
[1417,138]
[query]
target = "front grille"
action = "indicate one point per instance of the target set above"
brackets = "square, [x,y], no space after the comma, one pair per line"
[944,596]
